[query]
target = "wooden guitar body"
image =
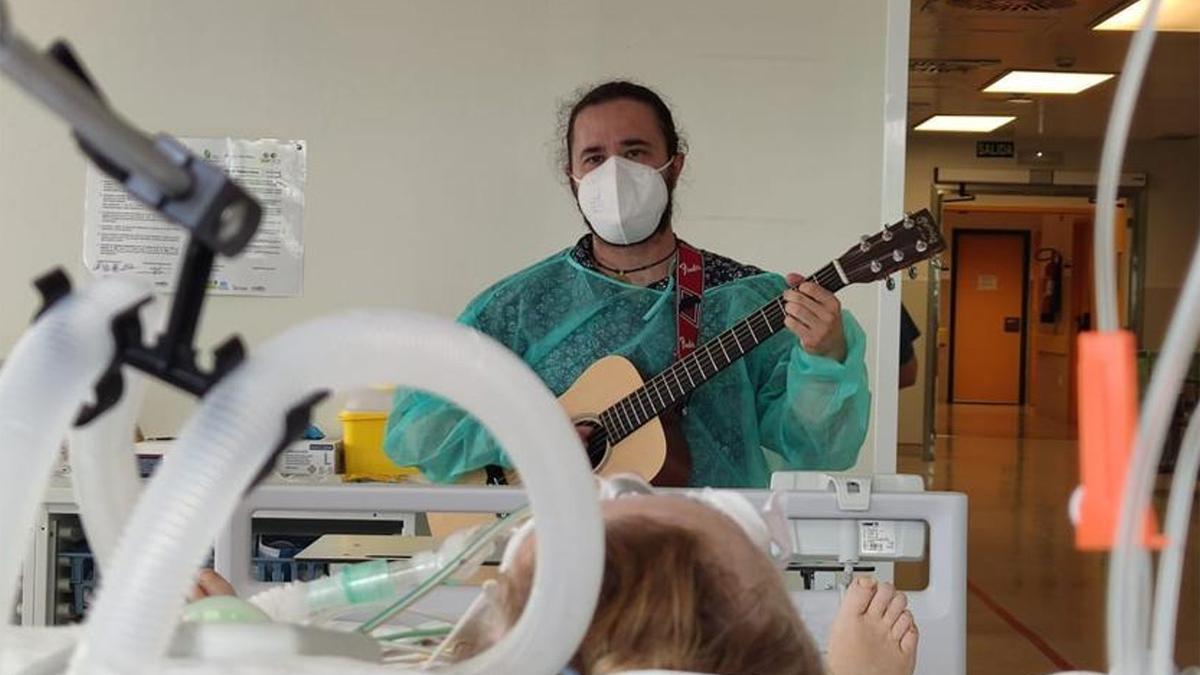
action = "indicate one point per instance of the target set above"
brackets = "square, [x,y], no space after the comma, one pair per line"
[657,451]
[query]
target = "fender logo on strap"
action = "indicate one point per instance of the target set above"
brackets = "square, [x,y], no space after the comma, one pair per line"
[689,280]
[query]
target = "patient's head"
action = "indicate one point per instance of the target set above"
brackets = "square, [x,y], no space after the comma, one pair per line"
[684,588]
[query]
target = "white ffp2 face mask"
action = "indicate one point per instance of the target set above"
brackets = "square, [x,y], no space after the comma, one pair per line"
[623,200]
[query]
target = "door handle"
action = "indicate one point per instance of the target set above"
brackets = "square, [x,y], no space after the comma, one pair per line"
[1012,324]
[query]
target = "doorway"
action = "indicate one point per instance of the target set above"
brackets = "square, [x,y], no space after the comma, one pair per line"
[1049,374]
[988,316]
[1054,262]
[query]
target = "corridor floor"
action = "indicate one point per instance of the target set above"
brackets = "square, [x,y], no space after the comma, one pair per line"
[1035,604]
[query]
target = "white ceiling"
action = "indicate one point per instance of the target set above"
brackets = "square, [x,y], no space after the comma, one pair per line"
[1045,38]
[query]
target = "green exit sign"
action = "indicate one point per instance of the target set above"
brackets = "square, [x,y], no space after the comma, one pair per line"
[995,149]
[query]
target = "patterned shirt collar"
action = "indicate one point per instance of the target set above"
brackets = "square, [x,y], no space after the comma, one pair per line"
[585,255]
[717,269]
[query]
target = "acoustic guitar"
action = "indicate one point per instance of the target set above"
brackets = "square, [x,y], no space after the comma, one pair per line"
[634,423]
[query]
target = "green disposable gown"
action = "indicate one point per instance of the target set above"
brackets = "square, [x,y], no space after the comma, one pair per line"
[560,317]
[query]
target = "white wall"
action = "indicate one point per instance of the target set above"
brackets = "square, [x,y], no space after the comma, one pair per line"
[1172,214]
[431,131]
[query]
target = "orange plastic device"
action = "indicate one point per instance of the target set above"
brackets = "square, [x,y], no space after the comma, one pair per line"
[1107,424]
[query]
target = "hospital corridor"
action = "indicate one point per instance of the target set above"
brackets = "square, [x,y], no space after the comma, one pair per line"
[1035,602]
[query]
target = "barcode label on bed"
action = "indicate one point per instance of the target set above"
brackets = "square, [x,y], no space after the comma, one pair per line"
[876,537]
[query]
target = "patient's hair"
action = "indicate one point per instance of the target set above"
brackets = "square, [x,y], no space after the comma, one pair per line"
[668,602]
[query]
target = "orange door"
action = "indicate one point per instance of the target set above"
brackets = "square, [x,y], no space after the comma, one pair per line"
[988,321]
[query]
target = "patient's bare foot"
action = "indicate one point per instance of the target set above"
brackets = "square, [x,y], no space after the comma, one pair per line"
[874,633]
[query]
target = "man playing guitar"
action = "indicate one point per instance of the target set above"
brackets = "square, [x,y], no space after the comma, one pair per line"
[801,393]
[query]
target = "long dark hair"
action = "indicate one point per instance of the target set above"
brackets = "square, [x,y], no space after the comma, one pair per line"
[612,91]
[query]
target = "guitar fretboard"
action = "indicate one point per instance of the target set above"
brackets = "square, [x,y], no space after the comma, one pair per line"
[674,384]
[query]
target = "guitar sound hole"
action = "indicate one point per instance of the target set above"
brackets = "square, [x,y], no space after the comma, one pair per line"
[597,442]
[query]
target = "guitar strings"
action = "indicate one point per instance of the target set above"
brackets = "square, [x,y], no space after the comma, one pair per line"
[745,329]
[659,383]
[656,385]
[766,322]
[625,414]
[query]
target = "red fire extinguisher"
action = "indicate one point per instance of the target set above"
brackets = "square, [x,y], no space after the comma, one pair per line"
[1050,302]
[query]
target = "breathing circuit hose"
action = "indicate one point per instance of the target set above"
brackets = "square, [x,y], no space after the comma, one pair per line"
[222,447]
[47,376]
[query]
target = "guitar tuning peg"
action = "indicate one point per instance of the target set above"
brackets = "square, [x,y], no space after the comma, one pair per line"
[886,236]
[898,255]
[863,244]
[891,284]
[908,221]
[921,246]
[876,268]
[912,272]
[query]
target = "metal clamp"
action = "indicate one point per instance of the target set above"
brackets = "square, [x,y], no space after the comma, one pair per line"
[220,216]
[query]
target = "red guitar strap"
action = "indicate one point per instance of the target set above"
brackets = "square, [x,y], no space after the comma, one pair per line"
[689,289]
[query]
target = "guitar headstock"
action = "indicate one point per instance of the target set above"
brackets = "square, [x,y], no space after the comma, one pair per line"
[901,244]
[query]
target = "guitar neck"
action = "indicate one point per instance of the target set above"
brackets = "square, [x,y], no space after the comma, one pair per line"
[675,383]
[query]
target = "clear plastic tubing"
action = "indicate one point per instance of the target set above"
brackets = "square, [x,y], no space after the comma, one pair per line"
[1129,608]
[224,444]
[1116,135]
[1170,562]
[104,472]
[46,378]
[1126,620]
[361,584]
